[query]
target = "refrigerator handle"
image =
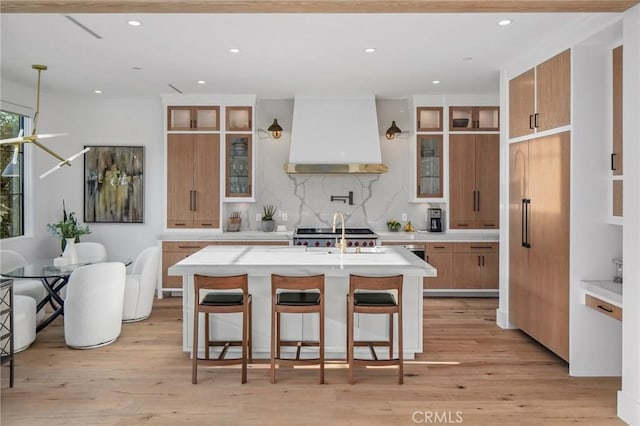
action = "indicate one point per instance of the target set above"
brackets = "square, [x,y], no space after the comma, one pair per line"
[527,204]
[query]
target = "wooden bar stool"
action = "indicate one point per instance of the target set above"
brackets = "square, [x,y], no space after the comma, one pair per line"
[221,302]
[308,299]
[376,299]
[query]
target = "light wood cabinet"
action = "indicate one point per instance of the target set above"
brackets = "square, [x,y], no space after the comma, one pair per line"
[193,180]
[474,118]
[616,155]
[603,307]
[475,266]
[540,98]
[429,166]
[429,119]
[440,256]
[474,180]
[539,187]
[193,118]
[239,118]
[238,166]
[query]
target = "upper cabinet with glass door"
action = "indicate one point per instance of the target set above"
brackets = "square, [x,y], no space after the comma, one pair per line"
[239,118]
[474,118]
[429,166]
[239,173]
[429,119]
[193,118]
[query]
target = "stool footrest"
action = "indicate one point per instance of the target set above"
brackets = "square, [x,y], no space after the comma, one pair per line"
[376,362]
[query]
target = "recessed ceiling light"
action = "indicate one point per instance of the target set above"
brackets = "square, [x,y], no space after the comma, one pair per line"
[234,50]
[370,49]
[134,23]
[467,59]
[97,91]
[504,22]
[435,82]
[201,82]
[136,68]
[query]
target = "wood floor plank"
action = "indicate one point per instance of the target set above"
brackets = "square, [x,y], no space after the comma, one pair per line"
[470,368]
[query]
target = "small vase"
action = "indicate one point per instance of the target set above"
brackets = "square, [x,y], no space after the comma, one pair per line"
[70,251]
[268,225]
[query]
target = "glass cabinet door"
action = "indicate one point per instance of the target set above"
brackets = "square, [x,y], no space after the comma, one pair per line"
[238,119]
[238,166]
[429,168]
[193,118]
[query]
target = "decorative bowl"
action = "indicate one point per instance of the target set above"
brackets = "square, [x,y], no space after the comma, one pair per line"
[460,122]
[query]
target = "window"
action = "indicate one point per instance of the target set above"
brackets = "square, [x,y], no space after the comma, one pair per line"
[12,178]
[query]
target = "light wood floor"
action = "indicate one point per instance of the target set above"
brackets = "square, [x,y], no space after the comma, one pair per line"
[471,373]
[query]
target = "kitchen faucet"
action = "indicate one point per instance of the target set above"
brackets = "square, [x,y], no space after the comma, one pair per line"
[343,242]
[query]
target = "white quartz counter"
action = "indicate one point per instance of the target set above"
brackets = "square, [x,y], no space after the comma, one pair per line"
[607,290]
[400,236]
[264,260]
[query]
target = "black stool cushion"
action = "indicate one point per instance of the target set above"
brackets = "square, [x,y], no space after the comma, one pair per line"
[374,299]
[298,298]
[222,299]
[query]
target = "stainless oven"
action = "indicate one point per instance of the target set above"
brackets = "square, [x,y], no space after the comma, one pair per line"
[417,249]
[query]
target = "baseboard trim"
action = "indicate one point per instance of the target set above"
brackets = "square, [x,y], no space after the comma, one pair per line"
[628,408]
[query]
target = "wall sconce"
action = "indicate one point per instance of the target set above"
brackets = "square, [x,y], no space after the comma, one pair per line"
[391,131]
[275,129]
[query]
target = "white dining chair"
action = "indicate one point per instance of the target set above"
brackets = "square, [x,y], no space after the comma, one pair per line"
[91,252]
[10,260]
[140,285]
[93,306]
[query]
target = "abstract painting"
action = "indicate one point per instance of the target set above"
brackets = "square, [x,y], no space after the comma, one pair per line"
[113,184]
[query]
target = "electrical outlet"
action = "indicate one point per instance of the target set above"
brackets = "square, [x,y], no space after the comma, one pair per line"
[404,217]
[285,217]
[258,217]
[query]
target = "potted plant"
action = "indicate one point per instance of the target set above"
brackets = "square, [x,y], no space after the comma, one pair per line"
[393,225]
[268,224]
[68,228]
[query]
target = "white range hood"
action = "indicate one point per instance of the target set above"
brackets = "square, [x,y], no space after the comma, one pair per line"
[335,135]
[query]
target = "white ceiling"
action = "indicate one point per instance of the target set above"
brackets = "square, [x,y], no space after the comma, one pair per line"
[281,54]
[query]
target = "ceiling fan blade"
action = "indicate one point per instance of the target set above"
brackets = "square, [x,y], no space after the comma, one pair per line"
[64,162]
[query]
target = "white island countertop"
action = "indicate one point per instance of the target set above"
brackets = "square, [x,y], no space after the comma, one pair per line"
[264,260]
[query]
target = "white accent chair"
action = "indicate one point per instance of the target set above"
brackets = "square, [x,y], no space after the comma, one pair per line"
[91,252]
[10,260]
[93,307]
[24,322]
[140,285]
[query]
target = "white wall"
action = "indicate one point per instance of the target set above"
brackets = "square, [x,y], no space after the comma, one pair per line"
[91,120]
[629,396]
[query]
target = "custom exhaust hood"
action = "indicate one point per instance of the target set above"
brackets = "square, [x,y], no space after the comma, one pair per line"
[335,135]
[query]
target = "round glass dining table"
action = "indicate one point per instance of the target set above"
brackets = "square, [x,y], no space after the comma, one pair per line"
[54,279]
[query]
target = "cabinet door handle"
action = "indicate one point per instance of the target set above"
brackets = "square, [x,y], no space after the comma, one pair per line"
[523,223]
[189,247]
[426,259]
[531,121]
[192,200]
[482,260]
[474,201]
[463,224]
[613,167]
[535,120]
[527,203]
[605,309]
[479,261]
[478,201]
[481,247]
[195,200]
[438,247]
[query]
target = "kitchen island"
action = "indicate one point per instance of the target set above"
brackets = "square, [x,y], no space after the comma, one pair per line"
[259,262]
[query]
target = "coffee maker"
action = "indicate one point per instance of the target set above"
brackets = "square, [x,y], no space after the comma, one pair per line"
[435,220]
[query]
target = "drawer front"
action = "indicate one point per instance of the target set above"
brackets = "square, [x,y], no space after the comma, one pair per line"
[439,248]
[603,307]
[251,243]
[183,246]
[475,247]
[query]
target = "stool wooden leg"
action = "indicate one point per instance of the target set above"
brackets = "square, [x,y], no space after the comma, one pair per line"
[245,342]
[194,348]
[207,336]
[350,339]
[321,315]
[250,314]
[390,336]
[273,345]
[400,348]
